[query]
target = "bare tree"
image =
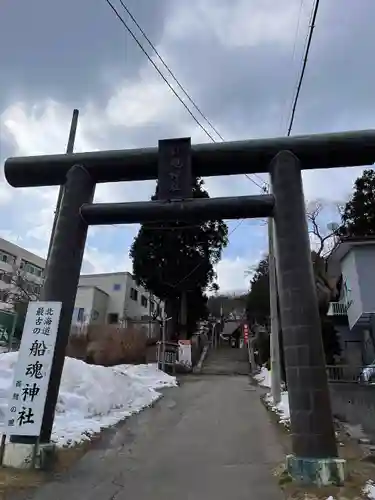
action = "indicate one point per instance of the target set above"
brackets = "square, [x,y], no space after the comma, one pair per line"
[22,289]
[324,240]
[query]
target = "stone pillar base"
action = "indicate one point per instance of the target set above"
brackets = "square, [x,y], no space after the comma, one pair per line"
[318,471]
[25,456]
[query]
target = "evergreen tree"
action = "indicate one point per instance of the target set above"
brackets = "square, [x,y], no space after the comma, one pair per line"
[172,258]
[358,217]
[258,299]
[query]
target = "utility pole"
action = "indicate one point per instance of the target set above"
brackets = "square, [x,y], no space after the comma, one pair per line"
[150,313]
[183,315]
[274,341]
[69,149]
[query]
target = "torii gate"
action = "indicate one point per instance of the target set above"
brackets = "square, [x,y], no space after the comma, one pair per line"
[174,162]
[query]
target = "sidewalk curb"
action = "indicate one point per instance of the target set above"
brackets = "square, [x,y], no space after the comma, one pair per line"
[198,367]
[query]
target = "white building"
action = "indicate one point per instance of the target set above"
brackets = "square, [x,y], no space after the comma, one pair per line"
[14,261]
[112,298]
[101,298]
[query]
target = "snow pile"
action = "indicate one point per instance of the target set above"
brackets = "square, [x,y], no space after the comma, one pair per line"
[92,397]
[369,490]
[263,377]
[148,375]
[281,409]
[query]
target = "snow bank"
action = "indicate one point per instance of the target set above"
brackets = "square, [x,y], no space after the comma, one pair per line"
[263,377]
[281,409]
[92,397]
[369,490]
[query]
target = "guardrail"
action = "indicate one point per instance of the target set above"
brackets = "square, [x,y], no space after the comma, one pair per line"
[350,374]
[167,355]
[337,309]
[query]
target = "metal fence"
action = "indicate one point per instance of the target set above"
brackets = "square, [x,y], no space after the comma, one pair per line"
[167,355]
[352,392]
[345,373]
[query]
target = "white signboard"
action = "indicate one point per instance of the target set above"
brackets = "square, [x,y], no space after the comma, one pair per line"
[184,353]
[33,368]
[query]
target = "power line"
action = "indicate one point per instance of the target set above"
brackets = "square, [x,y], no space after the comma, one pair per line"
[264,185]
[169,70]
[118,15]
[293,55]
[302,74]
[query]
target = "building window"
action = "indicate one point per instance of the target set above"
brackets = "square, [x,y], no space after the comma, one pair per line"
[144,301]
[134,294]
[31,268]
[3,295]
[81,314]
[116,287]
[7,257]
[7,278]
[112,318]
[152,306]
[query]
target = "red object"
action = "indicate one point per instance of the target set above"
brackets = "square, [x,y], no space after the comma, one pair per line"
[246,332]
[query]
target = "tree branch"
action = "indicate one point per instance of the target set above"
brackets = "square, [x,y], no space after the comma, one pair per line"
[20,293]
[312,217]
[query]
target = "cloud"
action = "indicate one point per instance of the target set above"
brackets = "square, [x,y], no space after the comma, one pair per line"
[239,60]
[234,274]
[238,23]
[96,262]
[145,102]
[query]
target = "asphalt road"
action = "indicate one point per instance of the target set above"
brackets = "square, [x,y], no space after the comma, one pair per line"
[211,438]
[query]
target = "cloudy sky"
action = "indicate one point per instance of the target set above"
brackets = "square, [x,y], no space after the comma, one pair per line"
[239,60]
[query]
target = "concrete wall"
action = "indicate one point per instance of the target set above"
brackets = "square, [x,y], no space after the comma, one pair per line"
[351,345]
[83,305]
[351,288]
[358,270]
[93,302]
[354,403]
[99,307]
[365,265]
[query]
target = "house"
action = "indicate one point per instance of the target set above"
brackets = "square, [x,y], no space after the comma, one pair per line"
[353,313]
[113,298]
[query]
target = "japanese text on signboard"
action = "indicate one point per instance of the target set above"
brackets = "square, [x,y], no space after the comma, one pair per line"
[33,368]
[174,169]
